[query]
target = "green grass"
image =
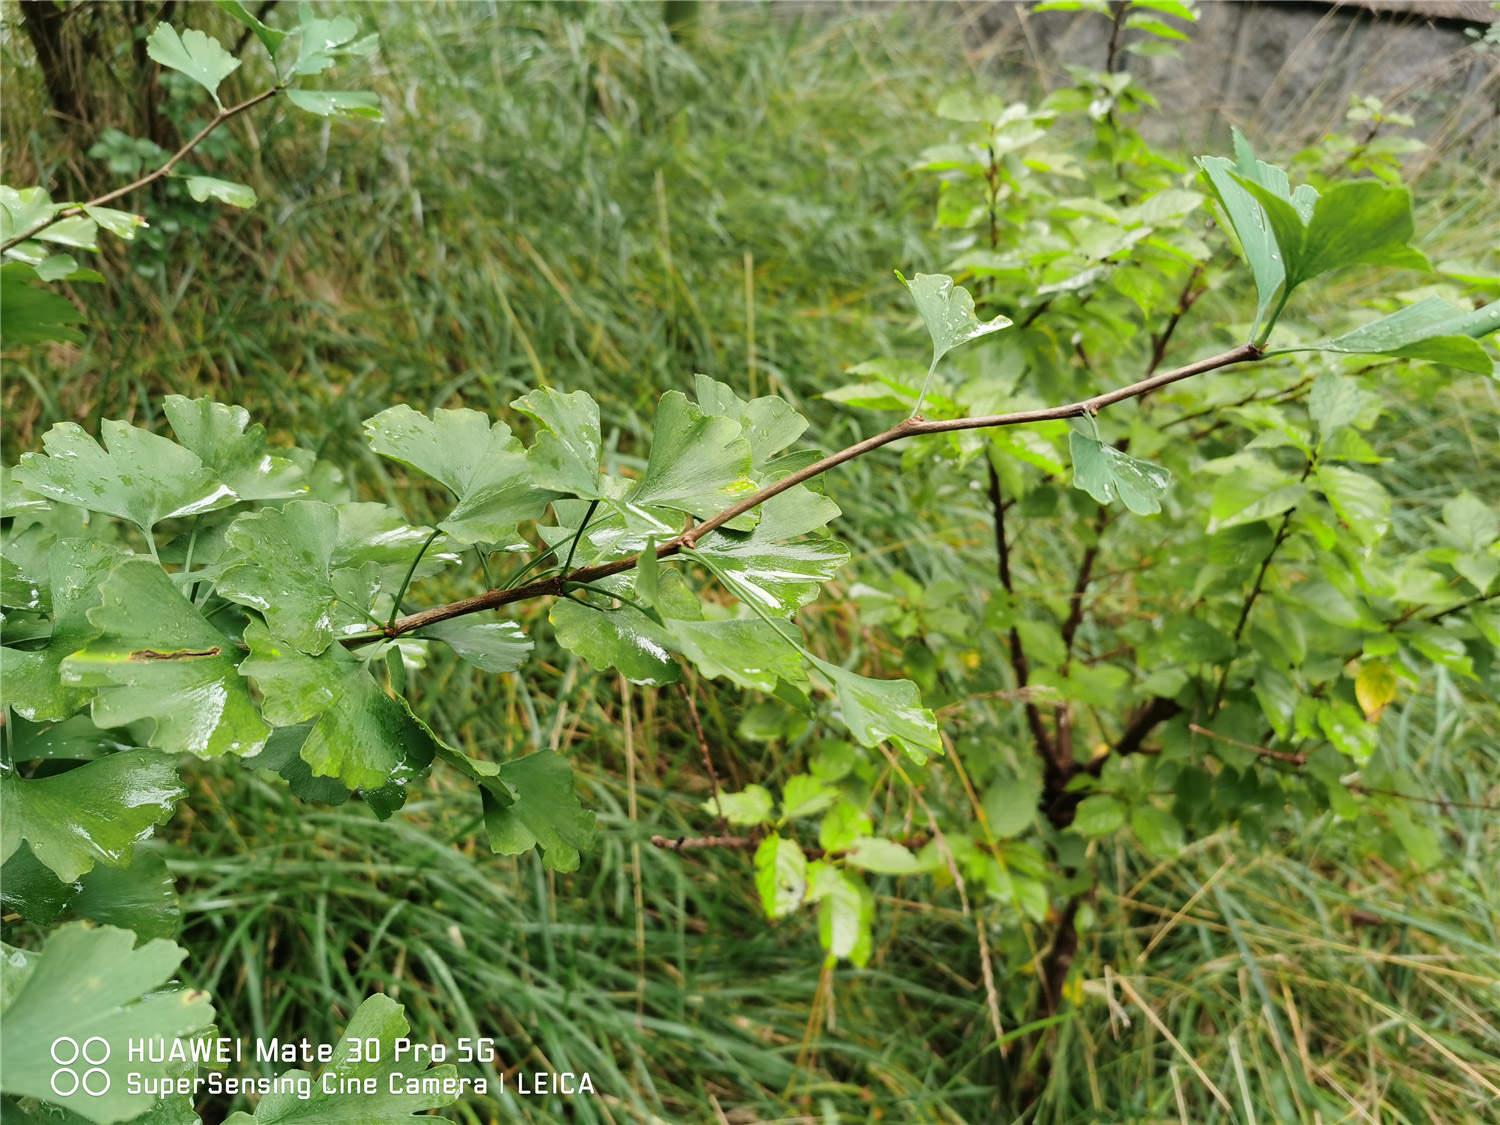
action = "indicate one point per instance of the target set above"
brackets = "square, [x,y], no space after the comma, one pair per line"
[567,195]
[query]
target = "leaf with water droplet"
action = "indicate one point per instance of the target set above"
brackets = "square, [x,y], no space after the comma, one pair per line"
[779,565]
[699,463]
[280,562]
[480,463]
[1106,474]
[537,805]
[361,735]
[158,661]
[877,710]
[137,475]
[91,982]
[93,813]
[236,451]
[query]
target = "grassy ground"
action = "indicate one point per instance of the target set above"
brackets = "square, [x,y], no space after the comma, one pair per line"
[571,196]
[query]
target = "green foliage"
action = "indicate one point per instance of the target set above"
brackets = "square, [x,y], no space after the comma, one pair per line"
[91,984]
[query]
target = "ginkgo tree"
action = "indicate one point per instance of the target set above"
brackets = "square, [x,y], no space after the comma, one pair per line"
[207,594]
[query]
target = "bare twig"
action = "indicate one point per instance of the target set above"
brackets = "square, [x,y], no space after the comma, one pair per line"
[911,427]
[150,177]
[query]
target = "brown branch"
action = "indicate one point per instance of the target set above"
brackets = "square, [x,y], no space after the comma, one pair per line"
[911,427]
[1081,585]
[1018,661]
[747,843]
[150,177]
[708,761]
[1294,758]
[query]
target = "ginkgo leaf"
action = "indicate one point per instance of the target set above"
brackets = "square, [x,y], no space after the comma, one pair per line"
[337,103]
[201,57]
[877,710]
[92,983]
[495,646]
[33,678]
[699,463]
[371,1080]
[768,423]
[236,451]
[157,661]
[746,651]
[537,806]
[319,42]
[1107,474]
[948,312]
[280,562]
[480,463]
[361,735]
[270,37]
[93,813]
[779,565]
[143,478]
[204,188]
[22,209]
[566,453]
[1431,330]
[623,638]
[141,897]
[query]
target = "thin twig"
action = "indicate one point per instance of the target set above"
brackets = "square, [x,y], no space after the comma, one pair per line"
[911,427]
[150,177]
[708,761]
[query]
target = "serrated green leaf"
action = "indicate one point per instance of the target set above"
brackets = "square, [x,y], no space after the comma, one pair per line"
[91,983]
[1098,815]
[236,451]
[877,710]
[378,1085]
[1337,401]
[481,464]
[699,463]
[142,477]
[158,661]
[566,454]
[495,646]
[30,314]
[337,103]
[751,806]
[1106,474]
[538,806]
[844,823]
[1011,805]
[93,813]
[780,876]
[624,639]
[804,795]
[280,562]
[204,188]
[32,679]
[846,913]
[1254,490]
[201,57]
[361,736]
[1158,830]
[781,563]
[1360,501]
[884,857]
[141,897]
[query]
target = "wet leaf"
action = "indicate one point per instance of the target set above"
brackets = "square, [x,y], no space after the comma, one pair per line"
[877,710]
[236,451]
[699,463]
[368,1088]
[93,813]
[624,639]
[1106,474]
[537,805]
[361,736]
[137,475]
[158,661]
[495,646]
[567,451]
[780,565]
[480,463]
[91,983]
